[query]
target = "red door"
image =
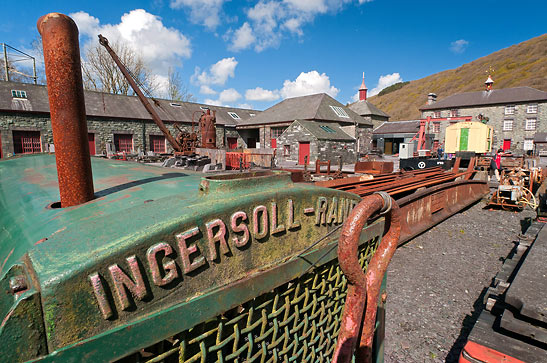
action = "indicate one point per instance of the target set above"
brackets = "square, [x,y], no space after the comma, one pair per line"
[506,144]
[232,142]
[157,143]
[26,142]
[303,152]
[91,139]
[273,143]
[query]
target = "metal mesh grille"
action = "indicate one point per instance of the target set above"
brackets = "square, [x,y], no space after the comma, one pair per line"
[299,321]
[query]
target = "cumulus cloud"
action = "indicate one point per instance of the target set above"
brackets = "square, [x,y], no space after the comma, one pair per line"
[226,97]
[261,94]
[206,90]
[245,105]
[205,12]
[243,38]
[161,47]
[307,84]
[268,21]
[385,81]
[217,74]
[459,46]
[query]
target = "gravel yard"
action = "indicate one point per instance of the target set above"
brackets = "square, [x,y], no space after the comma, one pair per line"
[436,283]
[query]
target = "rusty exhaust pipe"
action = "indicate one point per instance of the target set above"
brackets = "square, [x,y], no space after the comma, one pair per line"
[67,107]
[356,330]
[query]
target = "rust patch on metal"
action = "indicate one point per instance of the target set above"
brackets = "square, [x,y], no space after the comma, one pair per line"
[67,107]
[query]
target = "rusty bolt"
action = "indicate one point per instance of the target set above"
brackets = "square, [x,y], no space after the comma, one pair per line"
[18,284]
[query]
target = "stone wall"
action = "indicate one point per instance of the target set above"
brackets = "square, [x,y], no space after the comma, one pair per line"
[319,149]
[104,130]
[496,116]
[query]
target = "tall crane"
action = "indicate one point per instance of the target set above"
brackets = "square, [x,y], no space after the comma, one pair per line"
[184,142]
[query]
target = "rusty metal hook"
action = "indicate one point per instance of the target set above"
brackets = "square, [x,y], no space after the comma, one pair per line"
[364,288]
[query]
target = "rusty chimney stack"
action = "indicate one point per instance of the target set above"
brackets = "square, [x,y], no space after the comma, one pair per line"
[363,90]
[67,107]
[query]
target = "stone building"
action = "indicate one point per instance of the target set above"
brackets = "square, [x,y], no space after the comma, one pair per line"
[264,130]
[516,114]
[390,135]
[121,121]
[313,140]
[367,110]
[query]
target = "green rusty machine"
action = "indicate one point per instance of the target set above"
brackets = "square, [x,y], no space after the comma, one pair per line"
[106,260]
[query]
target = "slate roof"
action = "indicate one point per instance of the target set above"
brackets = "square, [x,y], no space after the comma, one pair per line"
[493,97]
[398,127]
[540,137]
[107,105]
[321,130]
[365,108]
[312,107]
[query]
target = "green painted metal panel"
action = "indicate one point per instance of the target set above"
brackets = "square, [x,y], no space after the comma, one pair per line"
[159,251]
[464,139]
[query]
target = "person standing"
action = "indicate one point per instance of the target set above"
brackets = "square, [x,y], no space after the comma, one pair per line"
[495,164]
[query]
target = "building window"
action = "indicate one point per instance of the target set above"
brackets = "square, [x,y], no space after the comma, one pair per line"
[157,143]
[454,113]
[123,142]
[18,94]
[234,115]
[252,114]
[507,125]
[175,104]
[286,150]
[277,131]
[530,124]
[26,142]
[327,129]
[532,109]
[436,127]
[510,110]
[528,144]
[437,114]
[339,111]
[232,142]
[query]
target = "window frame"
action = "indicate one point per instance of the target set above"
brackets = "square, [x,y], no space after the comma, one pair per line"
[436,127]
[509,110]
[529,142]
[510,122]
[233,115]
[437,114]
[454,112]
[534,106]
[286,150]
[339,111]
[527,126]
[15,93]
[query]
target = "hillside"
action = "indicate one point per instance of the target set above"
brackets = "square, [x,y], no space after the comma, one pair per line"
[523,64]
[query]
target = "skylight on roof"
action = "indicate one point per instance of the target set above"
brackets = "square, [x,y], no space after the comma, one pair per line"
[234,115]
[339,111]
[175,104]
[204,108]
[327,129]
[18,94]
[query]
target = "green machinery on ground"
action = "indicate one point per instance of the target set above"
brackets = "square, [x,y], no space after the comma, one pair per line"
[237,267]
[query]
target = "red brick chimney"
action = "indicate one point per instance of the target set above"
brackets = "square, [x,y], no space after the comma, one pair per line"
[363,90]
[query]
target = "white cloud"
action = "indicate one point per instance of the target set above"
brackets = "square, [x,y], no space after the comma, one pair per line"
[268,20]
[459,46]
[308,83]
[217,74]
[385,81]
[225,98]
[243,38]
[161,47]
[205,12]
[261,94]
[206,90]
[245,105]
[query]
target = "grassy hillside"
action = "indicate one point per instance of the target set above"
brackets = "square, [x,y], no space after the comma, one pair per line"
[523,64]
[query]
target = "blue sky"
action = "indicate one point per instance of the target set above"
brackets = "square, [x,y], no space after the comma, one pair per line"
[256,53]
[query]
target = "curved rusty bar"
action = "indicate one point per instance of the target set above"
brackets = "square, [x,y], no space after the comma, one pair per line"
[377,267]
[352,317]
[67,107]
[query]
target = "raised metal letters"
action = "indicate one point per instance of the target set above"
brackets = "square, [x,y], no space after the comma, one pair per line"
[242,227]
[185,251]
[135,283]
[169,267]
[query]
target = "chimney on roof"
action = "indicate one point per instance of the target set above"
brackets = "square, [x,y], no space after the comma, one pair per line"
[431,98]
[363,90]
[489,82]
